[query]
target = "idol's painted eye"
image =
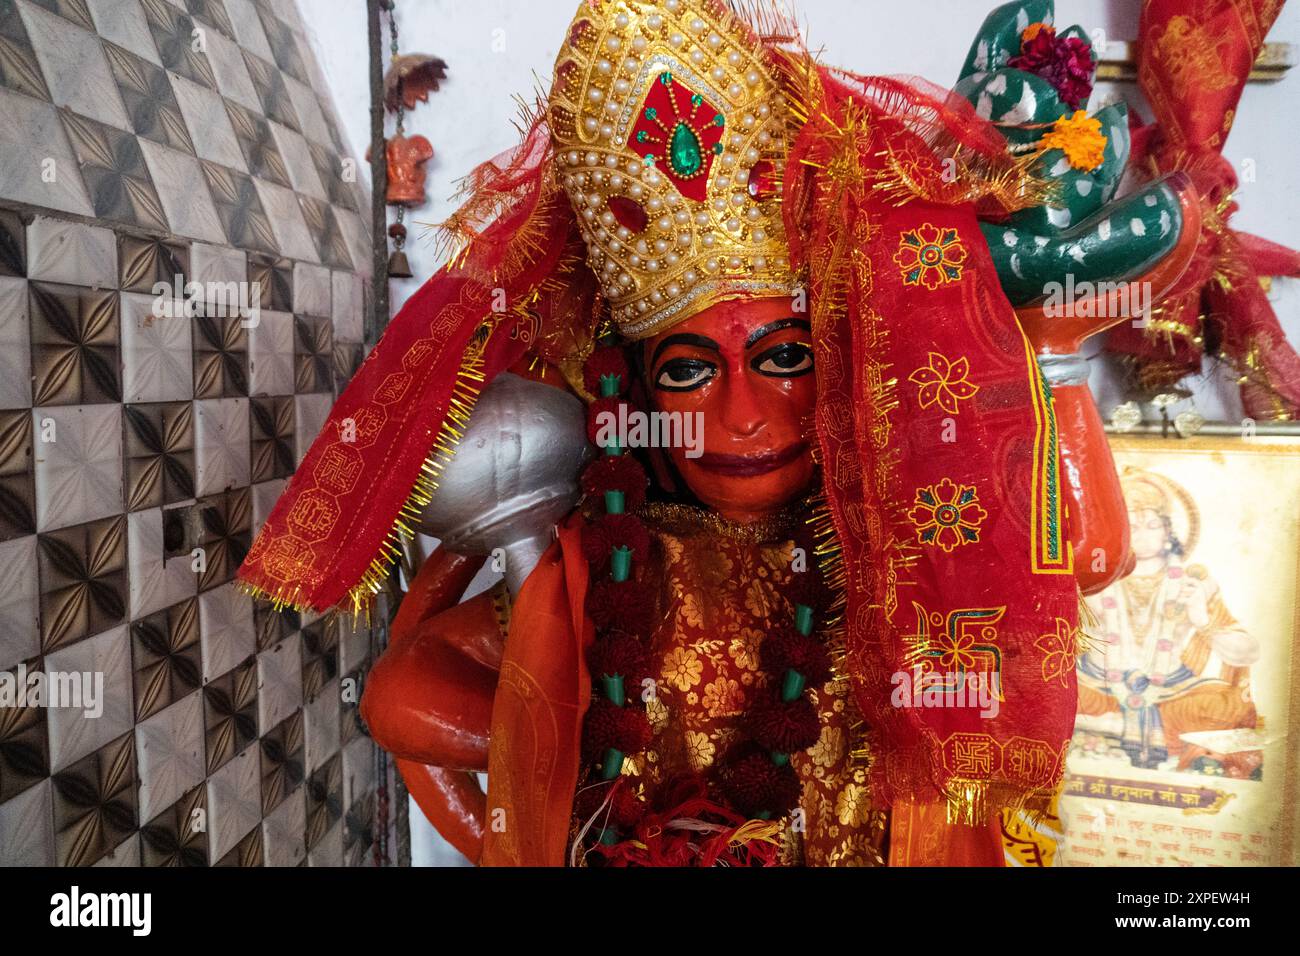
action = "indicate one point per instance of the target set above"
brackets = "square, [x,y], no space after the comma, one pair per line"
[684,374]
[787,360]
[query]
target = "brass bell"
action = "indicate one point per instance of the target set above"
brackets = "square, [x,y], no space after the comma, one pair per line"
[398,267]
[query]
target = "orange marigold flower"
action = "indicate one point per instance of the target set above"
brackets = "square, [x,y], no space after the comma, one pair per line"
[1034,29]
[1080,138]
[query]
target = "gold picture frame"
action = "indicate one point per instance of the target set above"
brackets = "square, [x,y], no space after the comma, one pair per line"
[1186,745]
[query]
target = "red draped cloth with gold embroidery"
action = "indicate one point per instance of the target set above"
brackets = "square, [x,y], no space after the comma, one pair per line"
[939,444]
[1194,59]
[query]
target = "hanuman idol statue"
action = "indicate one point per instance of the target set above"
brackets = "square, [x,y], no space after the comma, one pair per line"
[836,620]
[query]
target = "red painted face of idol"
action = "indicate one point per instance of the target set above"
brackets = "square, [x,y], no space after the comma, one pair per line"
[747,367]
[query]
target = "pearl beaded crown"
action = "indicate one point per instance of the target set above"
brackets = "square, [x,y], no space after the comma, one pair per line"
[669,132]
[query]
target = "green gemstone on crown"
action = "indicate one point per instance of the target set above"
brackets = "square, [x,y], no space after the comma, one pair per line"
[666,78]
[684,153]
[719,120]
[641,136]
[697,99]
[651,112]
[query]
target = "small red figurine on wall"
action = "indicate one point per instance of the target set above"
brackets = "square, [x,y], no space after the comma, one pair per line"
[406,158]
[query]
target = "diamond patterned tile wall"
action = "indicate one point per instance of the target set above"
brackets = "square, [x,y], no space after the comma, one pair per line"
[146,428]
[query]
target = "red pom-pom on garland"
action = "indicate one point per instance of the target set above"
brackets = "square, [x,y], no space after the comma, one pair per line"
[600,537]
[785,649]
[753,784]
[616,473]
[625,604]
[610,804]
[625,729]
[599,728]
[626,808]
[807,586]
[602,362]
[786,727]
[619,653]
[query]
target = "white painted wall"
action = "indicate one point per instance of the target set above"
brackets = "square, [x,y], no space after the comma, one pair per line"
[497,49]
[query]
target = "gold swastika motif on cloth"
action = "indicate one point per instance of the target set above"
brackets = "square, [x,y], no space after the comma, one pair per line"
[974,755]
[290,559]
[339,469]
[948,647]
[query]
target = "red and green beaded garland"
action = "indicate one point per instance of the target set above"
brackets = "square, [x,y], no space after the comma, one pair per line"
[617,727]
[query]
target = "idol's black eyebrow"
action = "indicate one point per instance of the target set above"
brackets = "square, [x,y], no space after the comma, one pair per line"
[685,338]
[777,326]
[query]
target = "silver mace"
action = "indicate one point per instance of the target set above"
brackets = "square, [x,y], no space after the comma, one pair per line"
[513,477]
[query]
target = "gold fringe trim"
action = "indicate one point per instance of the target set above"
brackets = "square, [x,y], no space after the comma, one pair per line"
[828,550]
[841,174]
[469,382]
[769,19]
[281,598]
[1009,181]
[862,756]
[1086,642]
[1230,269]
[292,599]
[465,390]
[971,802]
[1251,372]
[483,201]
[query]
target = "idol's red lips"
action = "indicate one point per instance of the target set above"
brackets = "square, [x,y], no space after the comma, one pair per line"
[745,466]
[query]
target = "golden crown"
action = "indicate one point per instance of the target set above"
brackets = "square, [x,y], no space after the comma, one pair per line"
[670,135]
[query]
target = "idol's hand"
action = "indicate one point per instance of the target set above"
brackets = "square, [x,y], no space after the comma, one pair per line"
[1034,84]
[428,699]
[1084,235]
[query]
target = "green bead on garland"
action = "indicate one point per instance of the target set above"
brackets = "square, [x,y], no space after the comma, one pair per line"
[620,561]
[792,685]
[609,388]
[612,686]
[793,682]
[611,764]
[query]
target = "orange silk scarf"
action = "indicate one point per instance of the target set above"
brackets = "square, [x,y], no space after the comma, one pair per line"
[537,715]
